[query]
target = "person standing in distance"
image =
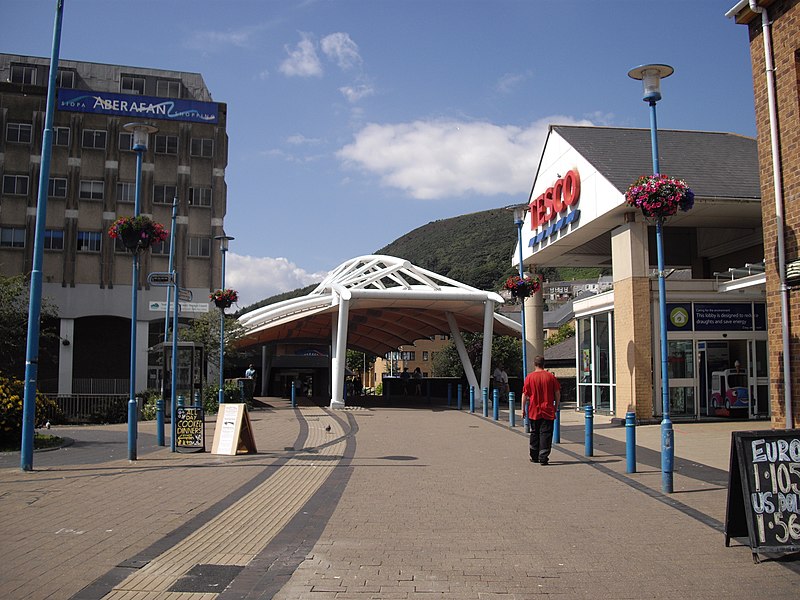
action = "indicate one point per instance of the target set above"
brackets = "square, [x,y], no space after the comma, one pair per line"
[542,392]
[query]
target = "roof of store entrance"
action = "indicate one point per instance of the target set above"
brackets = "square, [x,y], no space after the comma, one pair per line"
[391,303]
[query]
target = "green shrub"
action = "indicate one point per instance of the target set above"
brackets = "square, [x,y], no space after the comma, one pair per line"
[211,396]
[12,394]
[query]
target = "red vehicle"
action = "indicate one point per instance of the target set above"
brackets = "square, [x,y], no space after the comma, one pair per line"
[729,389]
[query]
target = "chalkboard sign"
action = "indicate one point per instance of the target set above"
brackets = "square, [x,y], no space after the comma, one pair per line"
[764,490]
[190,428]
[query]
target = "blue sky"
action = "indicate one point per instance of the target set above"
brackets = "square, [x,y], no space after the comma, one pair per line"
[352,122]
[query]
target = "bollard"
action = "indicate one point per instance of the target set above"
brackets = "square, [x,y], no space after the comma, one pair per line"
[511,416]
[472,398]
[197,403]
[294,397]
[181,400]
[525,419]
[557,425]
[485,398]
[449,394]
[458,400]
[496,404]
[160,421]
[630,441]
[589,442]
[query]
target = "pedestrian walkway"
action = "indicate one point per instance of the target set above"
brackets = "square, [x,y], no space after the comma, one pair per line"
[381,503]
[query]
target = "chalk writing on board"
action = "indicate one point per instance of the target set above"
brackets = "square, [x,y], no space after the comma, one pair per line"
[189,427]
[775,495]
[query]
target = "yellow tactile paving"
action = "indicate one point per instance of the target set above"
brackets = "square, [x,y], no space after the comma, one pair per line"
[239,533]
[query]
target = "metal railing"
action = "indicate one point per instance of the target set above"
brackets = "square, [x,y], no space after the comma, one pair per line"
[100,386]
[90,408]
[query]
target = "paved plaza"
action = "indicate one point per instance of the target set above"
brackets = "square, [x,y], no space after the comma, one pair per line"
[378,502]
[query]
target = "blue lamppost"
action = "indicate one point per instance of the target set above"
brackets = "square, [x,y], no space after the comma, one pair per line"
[651,76]
[141,132]
[223,248]
[519,219]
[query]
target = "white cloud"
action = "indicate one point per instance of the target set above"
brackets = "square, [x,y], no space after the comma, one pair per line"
[299,139]
[509,81]
[340,48]
[446,159]
[303,60]
[256,278]
[354,94]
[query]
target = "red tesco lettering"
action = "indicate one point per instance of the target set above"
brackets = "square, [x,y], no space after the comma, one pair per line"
[565,192]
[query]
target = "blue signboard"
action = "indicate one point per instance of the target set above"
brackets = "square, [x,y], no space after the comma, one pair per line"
[679,316]
[168,109]
[723,317]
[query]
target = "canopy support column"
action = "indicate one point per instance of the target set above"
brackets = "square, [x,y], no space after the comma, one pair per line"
[339,351]
[488,333]
[462,351]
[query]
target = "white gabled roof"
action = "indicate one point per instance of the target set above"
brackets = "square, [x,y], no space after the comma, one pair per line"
[392,303]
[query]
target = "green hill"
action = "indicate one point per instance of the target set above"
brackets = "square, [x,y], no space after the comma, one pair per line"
[474,249]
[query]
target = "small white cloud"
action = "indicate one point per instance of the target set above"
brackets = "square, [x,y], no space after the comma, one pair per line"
[301,140]
[263,75]
[212,40]
[303,60]
[446,159]
[340,48]
[509,81]
[354,94]
[256,278]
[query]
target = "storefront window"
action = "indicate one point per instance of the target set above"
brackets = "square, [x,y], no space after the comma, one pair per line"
[596,362]
[602,341]
[681,402]
[681,359]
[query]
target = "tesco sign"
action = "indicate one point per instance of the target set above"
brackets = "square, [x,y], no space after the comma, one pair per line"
[546,208]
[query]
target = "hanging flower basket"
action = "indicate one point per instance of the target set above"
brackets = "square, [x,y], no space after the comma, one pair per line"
[138,233]
[522,287]
[659,196]
[224,298]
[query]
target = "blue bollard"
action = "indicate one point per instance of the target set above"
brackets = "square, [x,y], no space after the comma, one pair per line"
[472,398]
[630,442]
[181,401]
[485,398]
[496,404]
[557,426]
[458,400]
[449,394]
[525,420]
[512,418]
[197,403]
[160,421]
[589,441]
[294,397]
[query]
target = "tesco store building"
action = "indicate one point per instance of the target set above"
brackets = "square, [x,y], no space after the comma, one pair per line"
[714,257]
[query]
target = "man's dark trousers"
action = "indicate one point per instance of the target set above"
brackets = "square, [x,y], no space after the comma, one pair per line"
[541,440]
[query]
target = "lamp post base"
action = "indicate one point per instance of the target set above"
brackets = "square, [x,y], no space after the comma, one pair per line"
[667,455]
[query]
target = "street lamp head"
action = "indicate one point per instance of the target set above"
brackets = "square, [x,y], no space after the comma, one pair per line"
[141,132]
[519,211]
[651,76]
[223,241]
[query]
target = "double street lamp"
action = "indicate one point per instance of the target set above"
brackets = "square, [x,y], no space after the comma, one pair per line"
[223,248]
[141,133]
[651,76]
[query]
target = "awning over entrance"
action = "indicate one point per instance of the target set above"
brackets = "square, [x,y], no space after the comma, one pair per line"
[376,304]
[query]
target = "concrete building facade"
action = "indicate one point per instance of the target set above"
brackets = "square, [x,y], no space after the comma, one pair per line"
[92,182]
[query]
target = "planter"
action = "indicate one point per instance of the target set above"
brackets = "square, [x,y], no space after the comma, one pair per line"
[222,303]
[131,239]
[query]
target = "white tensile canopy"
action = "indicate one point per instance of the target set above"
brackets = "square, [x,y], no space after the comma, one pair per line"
[376,304]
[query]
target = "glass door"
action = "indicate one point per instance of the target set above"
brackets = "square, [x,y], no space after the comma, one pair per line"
[758,379]
[681,369]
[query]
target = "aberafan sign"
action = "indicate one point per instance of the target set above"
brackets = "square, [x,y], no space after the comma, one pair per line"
[108,103]
[550,210]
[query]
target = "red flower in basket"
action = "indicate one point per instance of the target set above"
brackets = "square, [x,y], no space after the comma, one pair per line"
[522,287]
[224,298]
[138,233]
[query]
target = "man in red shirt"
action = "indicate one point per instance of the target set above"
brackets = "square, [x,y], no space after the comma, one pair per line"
[542,392]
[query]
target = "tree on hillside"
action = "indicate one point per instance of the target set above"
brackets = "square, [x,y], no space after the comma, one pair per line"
[14,299]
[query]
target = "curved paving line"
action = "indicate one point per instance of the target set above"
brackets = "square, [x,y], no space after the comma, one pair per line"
[106,583]
[272,568]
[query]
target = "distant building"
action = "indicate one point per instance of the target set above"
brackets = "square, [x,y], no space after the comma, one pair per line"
[92,182]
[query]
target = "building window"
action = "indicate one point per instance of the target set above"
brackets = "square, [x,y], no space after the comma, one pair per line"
[91,190]
[89,241]
[94,138]
[408,355]
[202,147]
[61,136]
[126,141]
[168,89]
[200,196]
[126,191]
[57,187]
[166,144]
[161,249]
[65,79]
[23,74]
[164,194]
[12,237]
[15,185]
[19,133]
[131,85]
[200,247]
[53,239]
[425,355]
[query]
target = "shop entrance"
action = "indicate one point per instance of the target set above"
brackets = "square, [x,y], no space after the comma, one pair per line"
[732,378]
